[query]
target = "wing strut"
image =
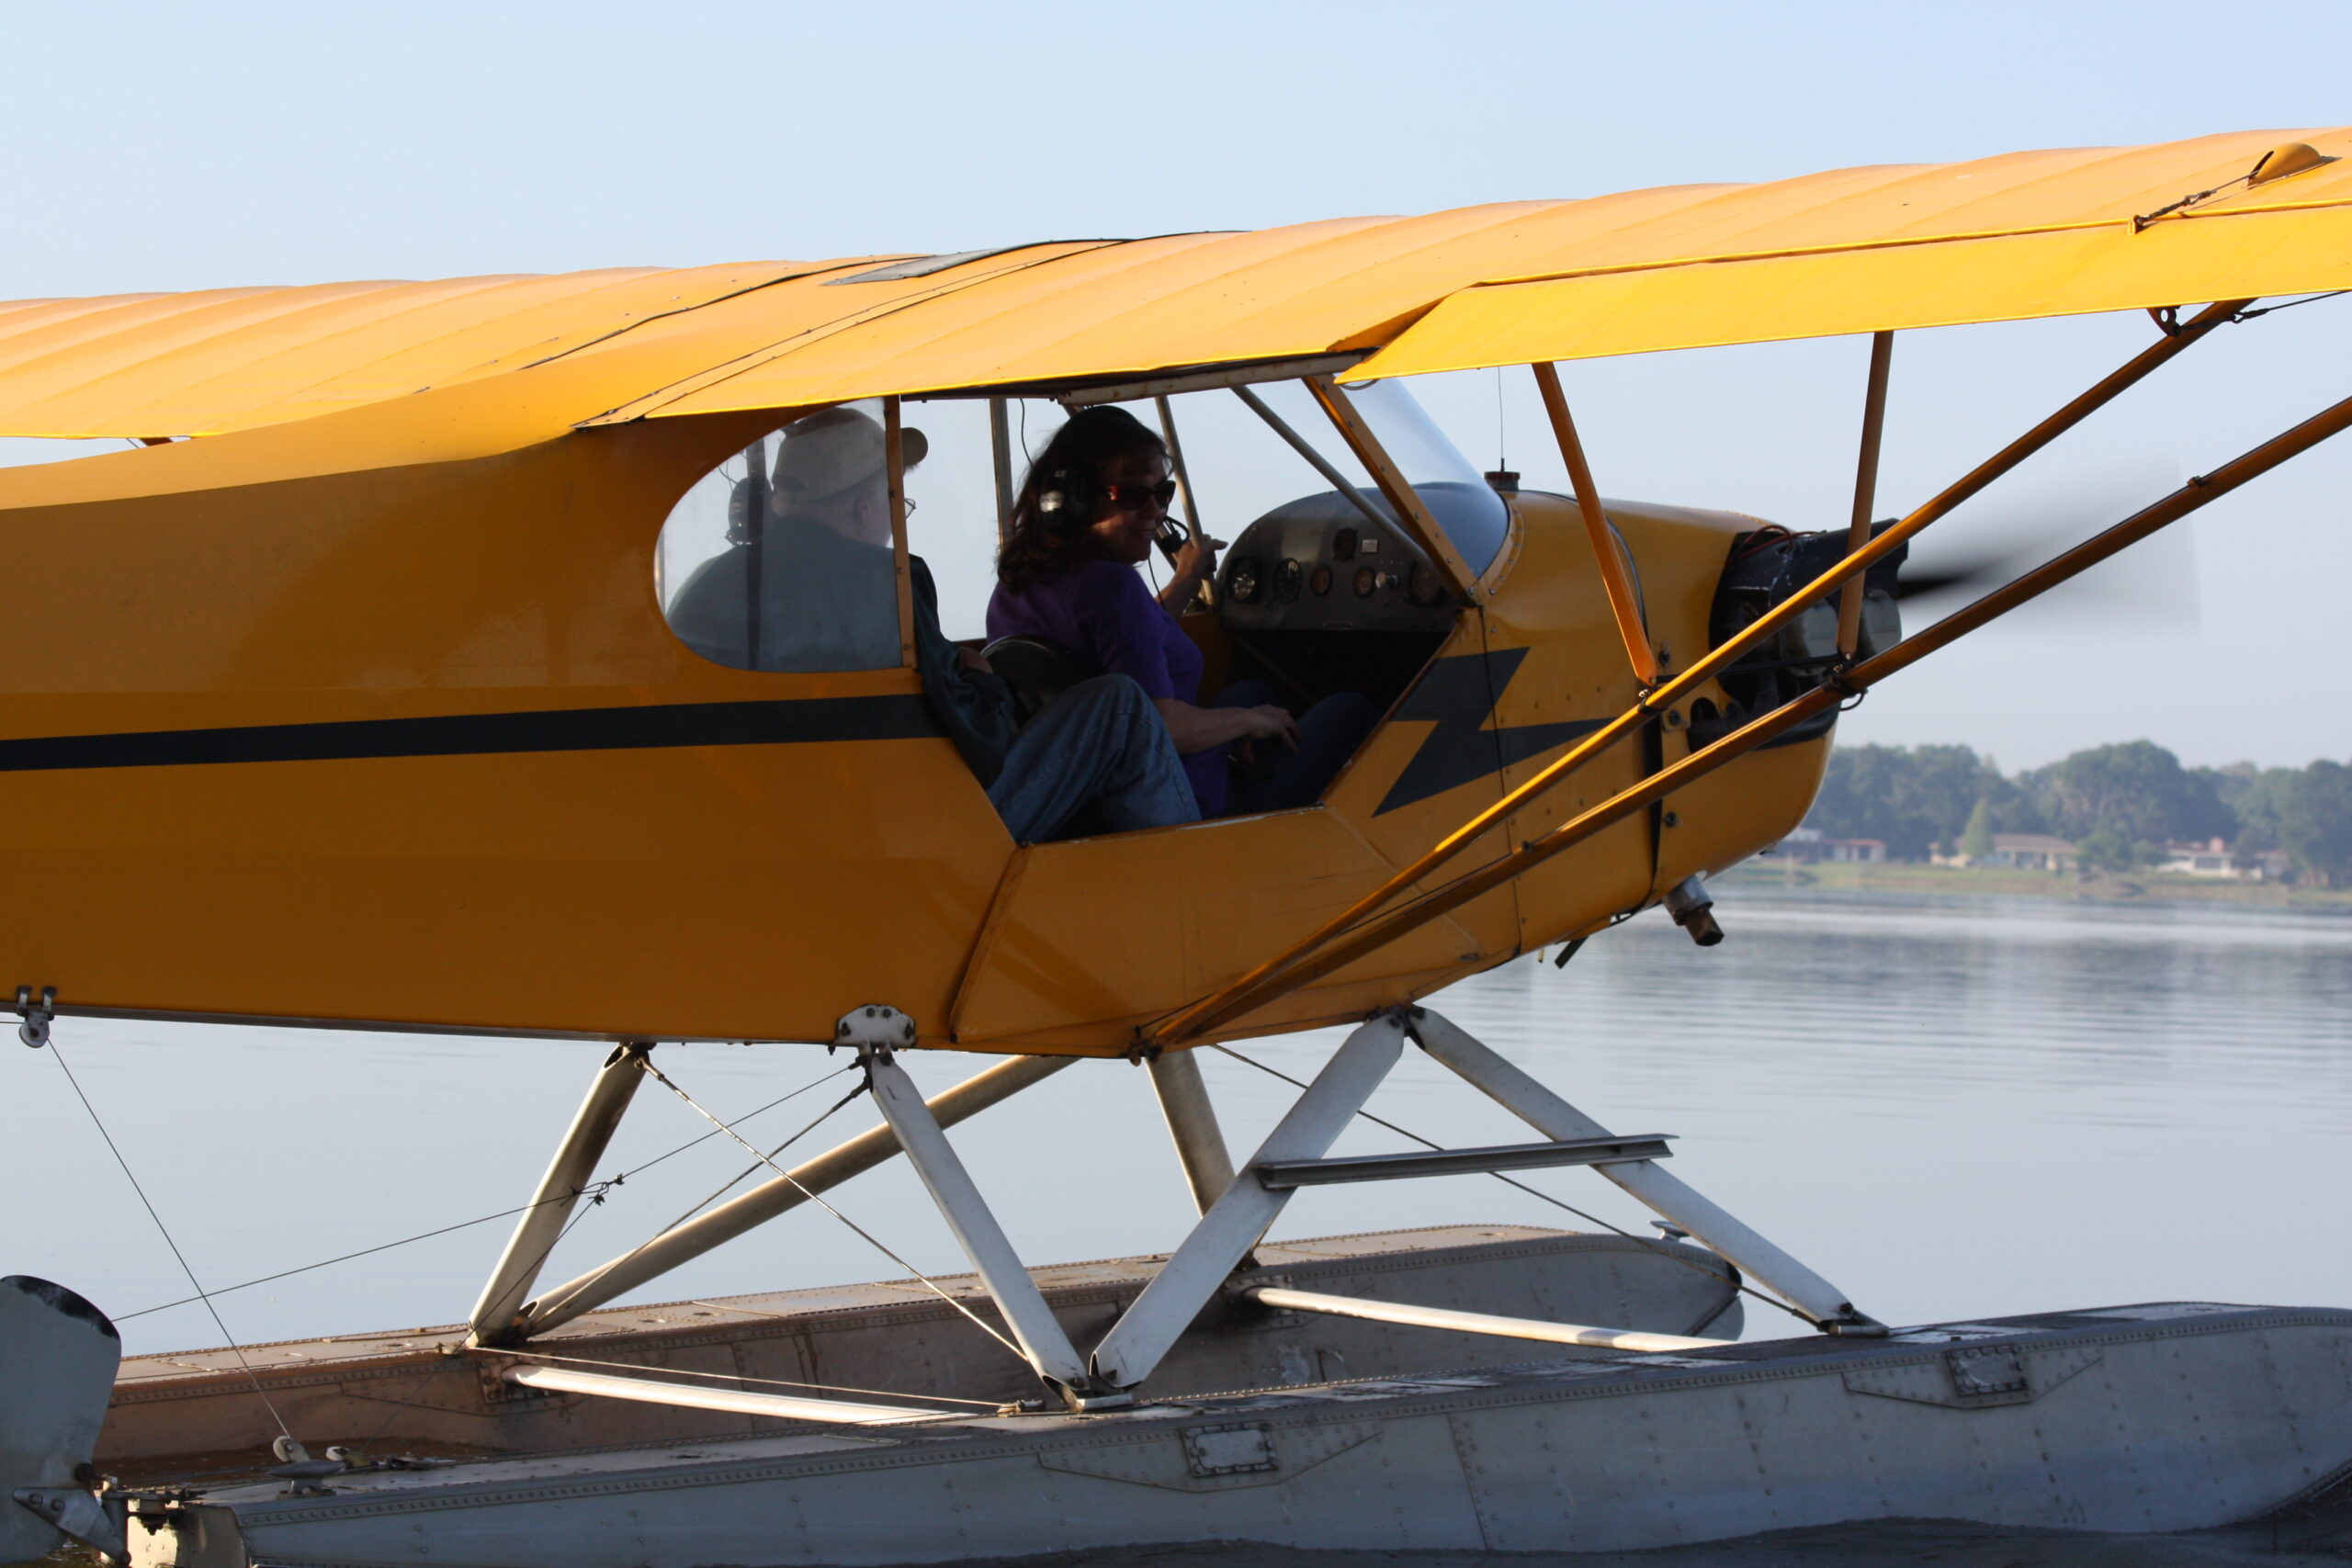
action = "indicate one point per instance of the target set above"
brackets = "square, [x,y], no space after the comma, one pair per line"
[1858,531]
[1624,599]
[1290,969]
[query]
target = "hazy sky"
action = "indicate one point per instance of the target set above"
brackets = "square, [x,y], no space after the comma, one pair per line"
[184,147]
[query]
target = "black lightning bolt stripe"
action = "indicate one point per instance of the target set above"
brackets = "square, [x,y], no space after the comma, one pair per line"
[1459,694]
[897,716]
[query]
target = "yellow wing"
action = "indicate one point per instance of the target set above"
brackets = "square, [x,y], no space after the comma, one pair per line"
[2039,252]
[225,359]
[1854,250]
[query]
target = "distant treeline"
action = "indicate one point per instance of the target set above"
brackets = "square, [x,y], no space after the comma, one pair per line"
[2118,804]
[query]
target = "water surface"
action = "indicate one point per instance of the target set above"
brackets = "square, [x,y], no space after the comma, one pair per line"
[1953,1108]
[1950,1108]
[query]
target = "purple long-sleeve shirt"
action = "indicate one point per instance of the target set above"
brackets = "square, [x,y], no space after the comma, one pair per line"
[1101,610]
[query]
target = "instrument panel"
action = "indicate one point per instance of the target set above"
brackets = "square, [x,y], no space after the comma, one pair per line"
[1319,564]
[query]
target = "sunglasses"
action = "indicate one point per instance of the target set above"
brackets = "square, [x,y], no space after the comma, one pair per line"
[1135,498]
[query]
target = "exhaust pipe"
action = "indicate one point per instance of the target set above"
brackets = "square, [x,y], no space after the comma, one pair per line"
[1693,908]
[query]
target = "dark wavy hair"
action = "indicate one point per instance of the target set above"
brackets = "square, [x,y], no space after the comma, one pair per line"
[1057,503]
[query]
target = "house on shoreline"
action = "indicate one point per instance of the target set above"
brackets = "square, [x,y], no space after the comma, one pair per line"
[2018,852]
[1809,845]
[2212,858]
[2030,852]
[2208,858]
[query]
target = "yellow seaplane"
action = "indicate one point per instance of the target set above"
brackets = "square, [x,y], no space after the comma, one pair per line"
[358,690]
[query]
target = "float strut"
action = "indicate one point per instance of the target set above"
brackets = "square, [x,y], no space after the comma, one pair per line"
[1192,1123]
[1040,1335]
[778,1195]
[1199,1267]
[495,1316]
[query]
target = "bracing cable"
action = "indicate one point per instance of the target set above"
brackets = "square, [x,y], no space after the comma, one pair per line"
[729,1184]
[868,1237]
[594,1192]
[181,1258]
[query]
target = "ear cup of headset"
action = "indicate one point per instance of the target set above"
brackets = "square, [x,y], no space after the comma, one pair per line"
[1068,497]
[1070,492]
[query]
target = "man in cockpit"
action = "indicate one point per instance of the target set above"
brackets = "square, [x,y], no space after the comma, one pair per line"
[811,585]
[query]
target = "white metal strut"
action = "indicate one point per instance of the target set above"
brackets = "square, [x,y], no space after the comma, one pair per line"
[494,1319]
[1236,1208]
[1039,1333]
[1198,1268]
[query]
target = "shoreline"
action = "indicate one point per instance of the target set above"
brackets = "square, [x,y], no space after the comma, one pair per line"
[1985,882]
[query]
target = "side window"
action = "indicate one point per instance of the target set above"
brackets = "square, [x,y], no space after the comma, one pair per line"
[780,558]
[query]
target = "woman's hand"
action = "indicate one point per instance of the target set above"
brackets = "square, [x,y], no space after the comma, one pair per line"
[1209,729]
[1197,559]
[1270,723]
[1196,564]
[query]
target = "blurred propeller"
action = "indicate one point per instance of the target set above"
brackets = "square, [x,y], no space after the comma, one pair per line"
[2151,587]
[1968,577]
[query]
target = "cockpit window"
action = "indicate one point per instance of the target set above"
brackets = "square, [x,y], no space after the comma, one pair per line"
[781,559]
[1465,505]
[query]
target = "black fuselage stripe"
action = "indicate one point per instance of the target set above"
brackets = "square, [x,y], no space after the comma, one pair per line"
[896,716]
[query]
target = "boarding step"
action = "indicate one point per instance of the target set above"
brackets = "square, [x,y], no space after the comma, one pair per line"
[1280,1175]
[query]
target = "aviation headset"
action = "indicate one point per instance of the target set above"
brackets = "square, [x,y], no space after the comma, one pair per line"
[1067,492]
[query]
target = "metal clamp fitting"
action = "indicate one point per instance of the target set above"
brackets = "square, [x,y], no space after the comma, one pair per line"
[37,1015]
[877,1028]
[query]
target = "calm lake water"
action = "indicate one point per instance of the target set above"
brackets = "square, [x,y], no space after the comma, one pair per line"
[1953,1108]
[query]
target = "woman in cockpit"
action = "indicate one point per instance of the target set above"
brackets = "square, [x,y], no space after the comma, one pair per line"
[1086,517]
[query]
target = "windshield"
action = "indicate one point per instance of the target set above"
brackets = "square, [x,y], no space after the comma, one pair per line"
[1465,505]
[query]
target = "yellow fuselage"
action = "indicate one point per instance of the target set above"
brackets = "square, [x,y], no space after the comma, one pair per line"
[373,718]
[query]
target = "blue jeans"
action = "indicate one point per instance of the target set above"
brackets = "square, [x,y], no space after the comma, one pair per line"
[1328,734]
[1100,744]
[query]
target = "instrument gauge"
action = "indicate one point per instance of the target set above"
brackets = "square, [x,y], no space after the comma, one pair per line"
[1289,577]
[1424,587]
[1366,580]
[1344,544]
[1241,582]
[1318,581]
